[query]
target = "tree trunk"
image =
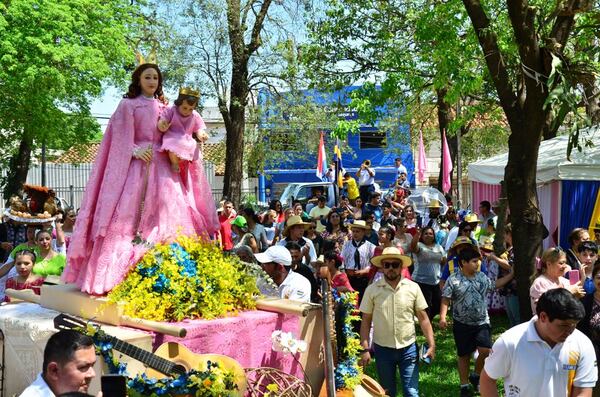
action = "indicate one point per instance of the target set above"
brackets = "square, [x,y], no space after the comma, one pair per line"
[592,95]
[19,167]
[234,154]
[526,219]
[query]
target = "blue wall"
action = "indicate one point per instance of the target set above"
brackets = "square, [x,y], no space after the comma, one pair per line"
[302,168]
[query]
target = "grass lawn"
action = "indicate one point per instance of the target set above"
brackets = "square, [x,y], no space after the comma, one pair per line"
[440,379]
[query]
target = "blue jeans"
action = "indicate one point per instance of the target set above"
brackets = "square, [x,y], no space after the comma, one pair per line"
[406,359]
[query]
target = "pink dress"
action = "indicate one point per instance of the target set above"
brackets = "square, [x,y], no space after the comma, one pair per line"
[101,250]
[178,138]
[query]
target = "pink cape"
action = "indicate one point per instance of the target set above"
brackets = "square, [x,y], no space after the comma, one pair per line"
[101,251]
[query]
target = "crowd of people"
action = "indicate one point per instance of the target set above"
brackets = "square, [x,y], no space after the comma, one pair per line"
[403,263]
[431,262]
[434,262]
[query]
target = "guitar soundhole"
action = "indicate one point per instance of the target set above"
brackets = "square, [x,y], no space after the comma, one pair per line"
[179,369]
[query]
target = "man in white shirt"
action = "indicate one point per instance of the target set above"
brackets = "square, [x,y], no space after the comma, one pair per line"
[366,180]
[357,254]
[276,261]
[69,359]
[400,168]
[319,213]
[546,356]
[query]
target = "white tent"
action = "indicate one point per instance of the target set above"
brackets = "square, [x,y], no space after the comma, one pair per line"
[552,162]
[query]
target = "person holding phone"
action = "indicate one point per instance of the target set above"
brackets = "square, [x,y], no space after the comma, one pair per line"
[394,334]
[550,270]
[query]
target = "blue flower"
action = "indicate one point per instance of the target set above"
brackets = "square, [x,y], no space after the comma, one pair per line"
[161,284]
[147,271]
[187,266]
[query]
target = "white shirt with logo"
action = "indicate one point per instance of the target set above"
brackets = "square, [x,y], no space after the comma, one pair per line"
[295,287]
[531,368]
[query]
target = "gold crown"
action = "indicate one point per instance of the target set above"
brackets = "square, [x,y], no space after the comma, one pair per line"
[150,58]
[189,91]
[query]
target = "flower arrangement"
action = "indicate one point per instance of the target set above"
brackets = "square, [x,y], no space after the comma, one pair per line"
[211,381]
[189,278]
[284,342]
[347,371]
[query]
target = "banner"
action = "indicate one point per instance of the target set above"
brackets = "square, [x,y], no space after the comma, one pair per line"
[321,159]
[446,164]
[422,167]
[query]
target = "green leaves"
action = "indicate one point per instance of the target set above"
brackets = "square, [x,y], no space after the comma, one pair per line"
[54,57]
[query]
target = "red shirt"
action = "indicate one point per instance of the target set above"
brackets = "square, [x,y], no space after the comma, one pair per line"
[341,280]
[225,231]
[35,285]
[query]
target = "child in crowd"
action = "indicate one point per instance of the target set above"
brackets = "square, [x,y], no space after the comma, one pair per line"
[467,290]
[493,263]
[25,279]
[587,253]
[182,126]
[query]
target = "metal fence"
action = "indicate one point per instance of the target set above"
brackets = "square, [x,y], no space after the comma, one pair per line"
[69,180]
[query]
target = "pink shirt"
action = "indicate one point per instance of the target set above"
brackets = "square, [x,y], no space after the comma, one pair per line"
[543,284]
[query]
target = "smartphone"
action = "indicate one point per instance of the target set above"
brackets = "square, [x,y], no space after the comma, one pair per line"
[422,352]
[114,385]
[573,276]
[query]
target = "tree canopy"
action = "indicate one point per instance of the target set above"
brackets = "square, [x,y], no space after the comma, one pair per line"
[54,57]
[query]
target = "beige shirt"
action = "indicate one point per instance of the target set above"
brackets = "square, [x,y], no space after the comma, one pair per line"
[393,312]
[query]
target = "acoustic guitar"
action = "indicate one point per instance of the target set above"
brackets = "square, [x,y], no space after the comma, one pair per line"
[170,359]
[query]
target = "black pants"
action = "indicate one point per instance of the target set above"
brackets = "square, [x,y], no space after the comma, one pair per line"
[433,297]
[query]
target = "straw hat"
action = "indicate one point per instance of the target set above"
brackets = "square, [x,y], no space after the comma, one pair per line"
[293,221]
[487,245]
[460,241]
[471,218]
[391,253]
[434,203]
[359,224]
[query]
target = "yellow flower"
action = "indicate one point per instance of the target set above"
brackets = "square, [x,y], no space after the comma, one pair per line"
[207,382]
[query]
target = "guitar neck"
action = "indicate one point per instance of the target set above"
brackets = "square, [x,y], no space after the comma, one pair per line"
[149,359]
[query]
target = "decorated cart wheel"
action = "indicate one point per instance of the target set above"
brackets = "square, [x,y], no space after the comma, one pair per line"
[267,382]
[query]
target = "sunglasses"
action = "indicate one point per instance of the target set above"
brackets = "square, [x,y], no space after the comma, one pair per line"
[393,265]
[467,230]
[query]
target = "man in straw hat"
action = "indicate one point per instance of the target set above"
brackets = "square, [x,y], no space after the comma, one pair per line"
[357,254]
[391,304]
[294,231]
[431,218]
